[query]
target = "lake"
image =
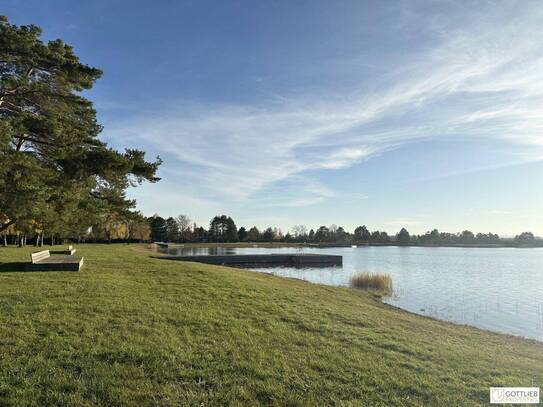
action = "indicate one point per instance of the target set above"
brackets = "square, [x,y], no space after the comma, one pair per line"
[499,289]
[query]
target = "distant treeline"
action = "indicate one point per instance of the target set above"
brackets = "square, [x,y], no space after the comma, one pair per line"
[223,229]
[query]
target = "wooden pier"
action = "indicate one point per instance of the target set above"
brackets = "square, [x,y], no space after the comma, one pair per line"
[265,260]
[330,245]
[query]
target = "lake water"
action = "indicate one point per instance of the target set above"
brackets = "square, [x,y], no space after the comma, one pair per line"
[499,289]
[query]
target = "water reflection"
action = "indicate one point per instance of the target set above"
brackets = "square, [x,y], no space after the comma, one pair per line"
[499,289]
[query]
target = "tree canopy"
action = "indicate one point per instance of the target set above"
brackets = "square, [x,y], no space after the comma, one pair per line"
[403,236]
[54,168]
[223,229]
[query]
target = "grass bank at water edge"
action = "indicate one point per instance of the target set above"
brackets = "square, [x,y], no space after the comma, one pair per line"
[133,330]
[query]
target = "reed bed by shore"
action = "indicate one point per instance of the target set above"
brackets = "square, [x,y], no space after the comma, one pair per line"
[373,281]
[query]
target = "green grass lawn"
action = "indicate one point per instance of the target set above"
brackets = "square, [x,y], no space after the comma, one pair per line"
[132,330]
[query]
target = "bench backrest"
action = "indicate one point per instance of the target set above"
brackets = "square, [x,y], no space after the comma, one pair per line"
[38,256]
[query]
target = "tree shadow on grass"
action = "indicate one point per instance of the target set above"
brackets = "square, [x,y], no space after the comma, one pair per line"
[12,267]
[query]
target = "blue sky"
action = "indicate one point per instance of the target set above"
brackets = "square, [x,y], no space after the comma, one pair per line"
[418,114]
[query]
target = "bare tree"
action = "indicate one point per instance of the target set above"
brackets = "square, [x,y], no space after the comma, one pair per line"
[299,230]
[184,223]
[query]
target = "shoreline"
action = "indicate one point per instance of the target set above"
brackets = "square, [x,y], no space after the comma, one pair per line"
[380,299]
[271,245]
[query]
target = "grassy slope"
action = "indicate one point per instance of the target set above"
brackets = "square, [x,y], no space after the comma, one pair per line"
[130,329]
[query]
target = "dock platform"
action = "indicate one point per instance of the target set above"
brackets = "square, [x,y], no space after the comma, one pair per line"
[265,260]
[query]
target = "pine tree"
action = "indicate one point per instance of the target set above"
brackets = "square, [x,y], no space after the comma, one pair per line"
[53,164]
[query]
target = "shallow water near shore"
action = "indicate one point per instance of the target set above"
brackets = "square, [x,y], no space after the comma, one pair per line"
[499,289]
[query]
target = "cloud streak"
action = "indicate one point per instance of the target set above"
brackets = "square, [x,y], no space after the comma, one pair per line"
[482,79]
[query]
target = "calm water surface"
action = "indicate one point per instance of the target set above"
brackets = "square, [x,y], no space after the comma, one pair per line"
[499,289]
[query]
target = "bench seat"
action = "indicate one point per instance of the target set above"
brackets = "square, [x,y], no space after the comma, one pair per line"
[56,263]
[69,252]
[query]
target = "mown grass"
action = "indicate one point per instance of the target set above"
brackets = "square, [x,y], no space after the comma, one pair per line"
[133,330]
[373,281]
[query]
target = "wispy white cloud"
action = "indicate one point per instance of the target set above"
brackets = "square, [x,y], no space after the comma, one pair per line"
[297,192]
[527,158]
[482,78]
[499,212]
[403,222]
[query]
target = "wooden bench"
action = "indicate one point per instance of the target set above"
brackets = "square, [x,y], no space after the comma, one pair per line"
[42,261]
[70,251]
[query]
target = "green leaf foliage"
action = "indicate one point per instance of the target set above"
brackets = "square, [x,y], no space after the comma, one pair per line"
[53,165]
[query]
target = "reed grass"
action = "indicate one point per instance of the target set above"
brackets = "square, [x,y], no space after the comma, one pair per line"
[373,281]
